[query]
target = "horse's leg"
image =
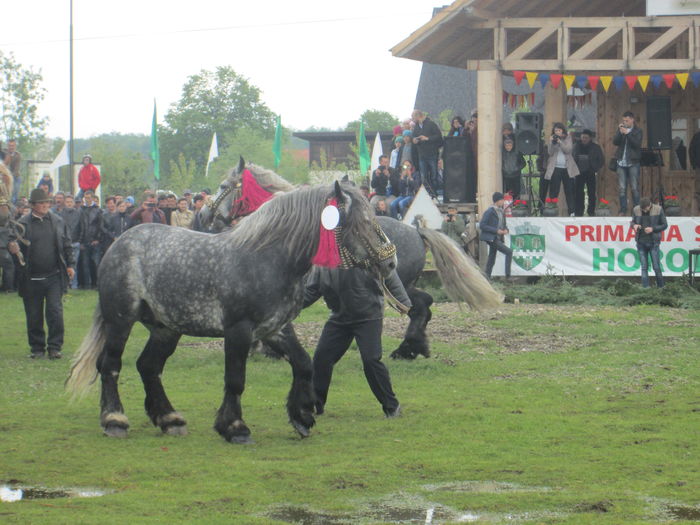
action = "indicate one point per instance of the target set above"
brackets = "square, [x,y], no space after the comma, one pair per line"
[300,402]
[109,364]
[415,340]
[229,420]
[161,345]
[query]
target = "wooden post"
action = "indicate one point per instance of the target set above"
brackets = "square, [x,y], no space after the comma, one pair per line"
[490,108]
[555,111]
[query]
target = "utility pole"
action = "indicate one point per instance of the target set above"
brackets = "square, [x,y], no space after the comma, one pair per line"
[71,152]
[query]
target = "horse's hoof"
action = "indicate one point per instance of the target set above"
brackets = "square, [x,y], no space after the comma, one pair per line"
[400,355]
[303,431]
[115,431]
[175,430]
[240,440]
[172,424]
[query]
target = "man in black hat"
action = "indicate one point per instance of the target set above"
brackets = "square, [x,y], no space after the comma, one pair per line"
[44,278]
[493,228]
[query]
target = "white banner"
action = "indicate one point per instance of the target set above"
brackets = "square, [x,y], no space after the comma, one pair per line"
[601,246]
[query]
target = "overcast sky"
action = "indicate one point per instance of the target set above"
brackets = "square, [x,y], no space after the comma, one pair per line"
[317,62]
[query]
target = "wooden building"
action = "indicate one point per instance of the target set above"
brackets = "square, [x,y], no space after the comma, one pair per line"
[335,145]
[575,37]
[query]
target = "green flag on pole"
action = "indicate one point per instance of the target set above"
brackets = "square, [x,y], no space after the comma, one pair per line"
[364,151]
[277,146]
[155,152]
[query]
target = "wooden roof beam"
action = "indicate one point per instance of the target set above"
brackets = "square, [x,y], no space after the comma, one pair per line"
[533,42]
[594,43]
[661,43]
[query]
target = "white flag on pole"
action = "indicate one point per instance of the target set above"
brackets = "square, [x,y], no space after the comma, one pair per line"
[213,153]
[377,151]
[60,160]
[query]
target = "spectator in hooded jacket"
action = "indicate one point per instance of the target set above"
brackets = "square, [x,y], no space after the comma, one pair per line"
[88,177]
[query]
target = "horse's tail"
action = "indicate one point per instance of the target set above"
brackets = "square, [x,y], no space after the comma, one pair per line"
[461,277]
[83,371]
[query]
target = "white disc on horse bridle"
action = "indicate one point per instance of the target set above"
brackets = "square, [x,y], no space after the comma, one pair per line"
[330,218]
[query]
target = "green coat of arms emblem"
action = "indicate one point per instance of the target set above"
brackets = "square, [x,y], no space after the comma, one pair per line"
[528,246]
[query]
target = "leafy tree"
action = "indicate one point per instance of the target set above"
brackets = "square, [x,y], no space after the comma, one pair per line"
[20,94]
[374,120]
[220,101]
[181,175]
[254,146]
[124,171]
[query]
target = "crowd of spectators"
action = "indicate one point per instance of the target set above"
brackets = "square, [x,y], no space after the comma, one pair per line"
[93,228]
[415,161]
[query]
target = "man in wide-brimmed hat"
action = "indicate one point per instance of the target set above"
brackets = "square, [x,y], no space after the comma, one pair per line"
[44,278]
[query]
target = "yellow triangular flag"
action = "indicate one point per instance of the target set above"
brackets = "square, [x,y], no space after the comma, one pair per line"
[569,81]
[606,81]
[682,79]
[643,81]
[531,77]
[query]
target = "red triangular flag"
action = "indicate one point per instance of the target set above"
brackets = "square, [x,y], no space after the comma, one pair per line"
[518,76]
[668,79]
[555,79]
[631,81]
[593,81]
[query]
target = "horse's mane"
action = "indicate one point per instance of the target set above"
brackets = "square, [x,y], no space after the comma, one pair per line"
[293,219]
[267,178]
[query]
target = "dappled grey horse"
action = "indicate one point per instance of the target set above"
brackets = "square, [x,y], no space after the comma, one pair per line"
[245,284]
[460,276]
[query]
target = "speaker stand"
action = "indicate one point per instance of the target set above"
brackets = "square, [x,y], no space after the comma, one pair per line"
[528,184]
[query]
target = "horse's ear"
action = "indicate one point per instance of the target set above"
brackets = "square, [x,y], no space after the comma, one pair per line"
[340,198]
[241,165]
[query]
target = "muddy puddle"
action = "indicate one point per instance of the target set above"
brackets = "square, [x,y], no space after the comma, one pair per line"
[683,512]
[17,492]
[397,514]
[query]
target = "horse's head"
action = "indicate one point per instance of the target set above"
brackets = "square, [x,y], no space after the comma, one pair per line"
[361,241]
[243,191]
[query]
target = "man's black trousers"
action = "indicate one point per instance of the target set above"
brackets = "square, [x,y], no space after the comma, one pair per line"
[332,345]
[39,296]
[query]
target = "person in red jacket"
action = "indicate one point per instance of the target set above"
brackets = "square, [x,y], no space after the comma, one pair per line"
[88,177]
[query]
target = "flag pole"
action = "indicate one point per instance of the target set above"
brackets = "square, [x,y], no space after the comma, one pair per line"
[71,153]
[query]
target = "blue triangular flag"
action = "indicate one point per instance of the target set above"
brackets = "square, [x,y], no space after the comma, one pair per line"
[581,81]
[619,82]
[696,78]
[544,78]
[656,80]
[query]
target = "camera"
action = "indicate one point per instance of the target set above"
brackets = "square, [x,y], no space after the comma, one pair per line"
[555,139]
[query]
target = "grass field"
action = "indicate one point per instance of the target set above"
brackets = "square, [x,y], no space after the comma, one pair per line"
[530,414]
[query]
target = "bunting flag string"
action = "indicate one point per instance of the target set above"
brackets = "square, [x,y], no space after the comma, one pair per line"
[643,82]
[592,81]
[519,101]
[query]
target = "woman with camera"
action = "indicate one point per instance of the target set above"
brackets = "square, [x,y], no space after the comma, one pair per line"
[561,166]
